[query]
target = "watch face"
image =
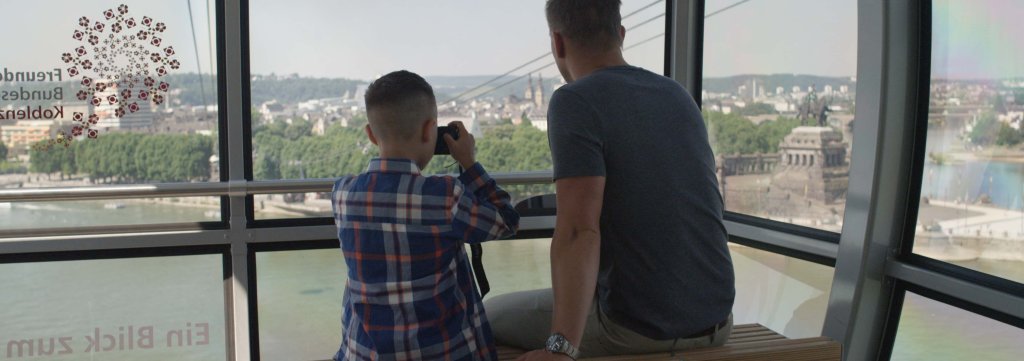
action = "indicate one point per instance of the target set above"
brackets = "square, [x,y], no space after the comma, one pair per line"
[554,343]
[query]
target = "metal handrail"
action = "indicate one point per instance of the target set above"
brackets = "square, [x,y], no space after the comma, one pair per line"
[212,189]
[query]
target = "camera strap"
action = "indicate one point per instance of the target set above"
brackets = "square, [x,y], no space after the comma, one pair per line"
[478,269]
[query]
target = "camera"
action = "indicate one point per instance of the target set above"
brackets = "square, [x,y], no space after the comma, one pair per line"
[442,147]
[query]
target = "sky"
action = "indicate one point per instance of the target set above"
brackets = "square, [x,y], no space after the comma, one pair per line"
[37,32]
[362,39]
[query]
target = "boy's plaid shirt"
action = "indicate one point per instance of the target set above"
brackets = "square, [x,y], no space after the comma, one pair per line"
[410,292]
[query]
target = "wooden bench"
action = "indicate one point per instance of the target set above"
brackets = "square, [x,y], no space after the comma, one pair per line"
[747,342]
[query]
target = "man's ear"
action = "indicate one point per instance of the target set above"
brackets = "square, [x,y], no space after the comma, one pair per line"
[369,134]
[428,127]
[622,34]
[558,44]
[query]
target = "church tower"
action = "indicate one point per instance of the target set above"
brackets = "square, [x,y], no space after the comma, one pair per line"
[528,96]
[538,95]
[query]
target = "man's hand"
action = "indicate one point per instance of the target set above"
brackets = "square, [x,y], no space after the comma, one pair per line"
[543,355]
[463,150]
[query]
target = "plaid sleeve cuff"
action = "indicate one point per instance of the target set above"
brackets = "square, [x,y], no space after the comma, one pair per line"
[475,177]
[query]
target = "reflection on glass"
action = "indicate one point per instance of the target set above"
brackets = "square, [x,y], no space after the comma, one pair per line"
[106,94]
[114,212]
[300,293]
[778,101]
[932,330]
[166,308]
[971,211]
[787,295]
[299,301]
[308,111]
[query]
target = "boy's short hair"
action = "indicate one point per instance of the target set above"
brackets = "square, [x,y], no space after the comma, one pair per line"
[593,24]
[398,103]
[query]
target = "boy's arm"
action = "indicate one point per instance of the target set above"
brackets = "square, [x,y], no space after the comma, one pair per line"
[484,209]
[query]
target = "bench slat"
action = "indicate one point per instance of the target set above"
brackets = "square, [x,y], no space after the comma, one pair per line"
[747,343]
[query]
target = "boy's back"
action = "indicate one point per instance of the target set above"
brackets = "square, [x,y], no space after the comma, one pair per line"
[410,294]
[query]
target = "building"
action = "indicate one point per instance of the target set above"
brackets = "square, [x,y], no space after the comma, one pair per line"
[271,110]
[812,165]
[21,135]
[109,118]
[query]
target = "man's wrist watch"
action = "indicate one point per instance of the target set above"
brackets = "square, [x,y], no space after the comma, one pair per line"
[557,343]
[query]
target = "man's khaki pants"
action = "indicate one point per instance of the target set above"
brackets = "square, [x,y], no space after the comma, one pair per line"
[523,320]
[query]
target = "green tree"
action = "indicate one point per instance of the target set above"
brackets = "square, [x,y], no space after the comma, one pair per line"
[734,134]
[1007,136]
[298,128]
[756,109]
[3,152]
[985,129]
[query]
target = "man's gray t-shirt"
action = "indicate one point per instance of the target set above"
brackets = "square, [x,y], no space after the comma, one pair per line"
[665,268]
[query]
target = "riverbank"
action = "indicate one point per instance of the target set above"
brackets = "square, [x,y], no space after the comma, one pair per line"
[993,154]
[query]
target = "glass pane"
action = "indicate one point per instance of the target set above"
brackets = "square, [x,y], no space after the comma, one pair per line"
[166,308]
[932,330]
[308,110]
[300,293]
[299,300]
[971,211]
[778,100]
[127,96]
[116,212]
[785,294]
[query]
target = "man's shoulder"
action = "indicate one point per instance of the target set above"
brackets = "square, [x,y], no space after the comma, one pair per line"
[616,81]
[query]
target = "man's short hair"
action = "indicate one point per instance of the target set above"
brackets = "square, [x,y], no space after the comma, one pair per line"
[398,103]
[593,24]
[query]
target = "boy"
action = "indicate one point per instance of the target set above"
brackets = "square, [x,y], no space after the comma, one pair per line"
[410,292]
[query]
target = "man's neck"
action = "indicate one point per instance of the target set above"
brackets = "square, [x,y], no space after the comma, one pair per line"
[586,65]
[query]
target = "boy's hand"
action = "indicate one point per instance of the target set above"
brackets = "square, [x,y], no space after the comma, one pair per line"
[464,148]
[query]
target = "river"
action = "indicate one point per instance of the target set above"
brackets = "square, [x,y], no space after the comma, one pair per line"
[165,308]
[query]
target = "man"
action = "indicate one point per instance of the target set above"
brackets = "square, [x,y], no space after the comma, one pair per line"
[639,259]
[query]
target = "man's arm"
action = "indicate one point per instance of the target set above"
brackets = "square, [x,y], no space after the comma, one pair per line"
[575,255]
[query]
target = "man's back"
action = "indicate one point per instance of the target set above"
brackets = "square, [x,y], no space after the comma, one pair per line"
[665,268]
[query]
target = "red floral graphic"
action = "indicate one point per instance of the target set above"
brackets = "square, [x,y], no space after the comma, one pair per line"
[124,69]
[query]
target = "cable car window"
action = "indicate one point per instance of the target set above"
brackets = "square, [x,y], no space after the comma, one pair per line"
[971,209]
[107,94]
[489,64]
[778,100]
